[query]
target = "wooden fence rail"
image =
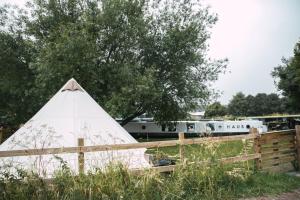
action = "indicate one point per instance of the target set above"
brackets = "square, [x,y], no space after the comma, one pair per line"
[240,158]
[273,151]
[156,144]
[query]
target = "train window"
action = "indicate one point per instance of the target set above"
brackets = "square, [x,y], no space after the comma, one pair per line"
[143,127]
[247,126]
[171,128]
[163,127]
[211,126]
[190,127]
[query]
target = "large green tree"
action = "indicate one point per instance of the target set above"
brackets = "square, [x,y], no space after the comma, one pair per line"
[260,104]
[238,105]
[215,109]
[287,77]
[16,77]
[132,56]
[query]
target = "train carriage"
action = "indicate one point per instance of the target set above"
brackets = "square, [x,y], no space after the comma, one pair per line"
[150,129]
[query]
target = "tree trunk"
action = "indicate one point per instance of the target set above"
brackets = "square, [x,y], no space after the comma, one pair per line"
[131,117]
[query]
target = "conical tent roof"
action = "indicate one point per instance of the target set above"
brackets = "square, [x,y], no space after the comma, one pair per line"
[70,114]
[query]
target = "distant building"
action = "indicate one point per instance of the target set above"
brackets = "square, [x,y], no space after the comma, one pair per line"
[197,115]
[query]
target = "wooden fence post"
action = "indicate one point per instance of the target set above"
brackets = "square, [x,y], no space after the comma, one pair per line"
[181,147]
[257,148]
[81,156]
[298,143]
[1,136]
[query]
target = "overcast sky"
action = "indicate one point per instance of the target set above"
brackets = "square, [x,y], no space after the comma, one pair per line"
[254,35]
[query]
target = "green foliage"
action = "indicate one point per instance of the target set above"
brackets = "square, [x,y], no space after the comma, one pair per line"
[238,105]
[16,79]
[261,104]
[133,57]
[288,79]
[190,182]
[215,110]
[23,185]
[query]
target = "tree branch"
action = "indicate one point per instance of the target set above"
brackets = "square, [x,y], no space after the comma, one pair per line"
[112,48]
[131,117]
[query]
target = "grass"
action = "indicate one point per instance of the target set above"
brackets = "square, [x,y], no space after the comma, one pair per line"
[259,184]
[189,182]
[225,149]
[192,181]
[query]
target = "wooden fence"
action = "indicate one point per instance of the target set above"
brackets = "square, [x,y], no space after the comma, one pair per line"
[273,151]
[278,151]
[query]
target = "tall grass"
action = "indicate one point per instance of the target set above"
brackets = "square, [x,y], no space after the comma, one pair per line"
[116,182]
[190,180]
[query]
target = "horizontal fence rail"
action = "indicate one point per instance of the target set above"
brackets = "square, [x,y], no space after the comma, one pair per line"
[169,168]
[82,149]
[281,131]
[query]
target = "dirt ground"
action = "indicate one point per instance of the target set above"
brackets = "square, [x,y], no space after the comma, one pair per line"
[294,195]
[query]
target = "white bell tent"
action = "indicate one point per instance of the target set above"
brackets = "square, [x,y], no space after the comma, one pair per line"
[70,114]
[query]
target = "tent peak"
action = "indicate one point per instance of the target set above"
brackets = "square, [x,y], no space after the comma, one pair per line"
[72,85]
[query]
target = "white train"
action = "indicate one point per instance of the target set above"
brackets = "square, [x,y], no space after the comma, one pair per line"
[219,127]
[192,128]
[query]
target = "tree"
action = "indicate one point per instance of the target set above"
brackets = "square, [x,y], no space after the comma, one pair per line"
[17,79]
[238,105]
[265,104]
[276,104]
[260,104]
[287,76]
[215,110]
[251,106]
[133,57]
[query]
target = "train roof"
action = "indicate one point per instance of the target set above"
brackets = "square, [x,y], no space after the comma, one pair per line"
[274,116]
[148,121]
[209,121]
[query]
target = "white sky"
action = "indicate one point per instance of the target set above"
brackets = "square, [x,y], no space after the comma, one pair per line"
[254,35]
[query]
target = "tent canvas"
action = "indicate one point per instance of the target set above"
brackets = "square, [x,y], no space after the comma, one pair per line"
[70,114]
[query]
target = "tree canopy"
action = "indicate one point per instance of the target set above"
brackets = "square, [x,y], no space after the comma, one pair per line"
[287,76]
[258,105]
[16,79]
[132,56]
[215,109]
